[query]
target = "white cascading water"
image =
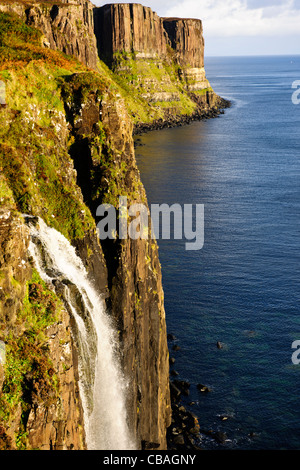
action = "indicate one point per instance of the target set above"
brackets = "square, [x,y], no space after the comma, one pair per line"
[102,385]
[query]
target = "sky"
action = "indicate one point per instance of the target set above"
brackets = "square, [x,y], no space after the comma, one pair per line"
[238,27]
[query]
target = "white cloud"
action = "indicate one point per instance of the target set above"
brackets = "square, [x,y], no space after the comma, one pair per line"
[234,18]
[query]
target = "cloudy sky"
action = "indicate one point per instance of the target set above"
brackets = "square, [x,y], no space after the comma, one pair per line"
[239,27]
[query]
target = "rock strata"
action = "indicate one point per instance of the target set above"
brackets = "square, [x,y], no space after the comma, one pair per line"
[67,27]
[186,37]
[127,28]
[175,47]
[85,152]
[49,419]
[135,294]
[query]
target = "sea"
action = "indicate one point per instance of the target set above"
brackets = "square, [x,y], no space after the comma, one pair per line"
[242,289]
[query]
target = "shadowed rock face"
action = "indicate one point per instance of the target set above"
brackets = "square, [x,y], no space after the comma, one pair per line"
[186,37]
[126,272]
[133,269]
[137,32]
[51,422]
[129,27]
[67,27]
[132,27]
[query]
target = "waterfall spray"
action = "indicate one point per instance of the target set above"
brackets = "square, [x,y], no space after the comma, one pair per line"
[102,385]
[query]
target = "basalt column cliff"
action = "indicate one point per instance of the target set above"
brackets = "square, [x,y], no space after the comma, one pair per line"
[79,81]
[159,64]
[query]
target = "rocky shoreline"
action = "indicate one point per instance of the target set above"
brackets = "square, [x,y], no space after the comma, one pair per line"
[181,120]
[185,433]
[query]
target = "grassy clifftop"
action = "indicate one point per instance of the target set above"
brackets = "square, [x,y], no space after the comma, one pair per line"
[34,160]
[151,88]
[65,146]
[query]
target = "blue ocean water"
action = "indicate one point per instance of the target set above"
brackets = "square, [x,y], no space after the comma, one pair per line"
[242,288]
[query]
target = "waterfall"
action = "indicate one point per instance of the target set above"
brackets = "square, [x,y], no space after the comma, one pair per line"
[102,385]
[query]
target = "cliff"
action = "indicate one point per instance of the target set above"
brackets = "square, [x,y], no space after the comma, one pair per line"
[40,406]
[158,64]
[66,26]
[129,27]
[66,146]
[186,37]
[134,275]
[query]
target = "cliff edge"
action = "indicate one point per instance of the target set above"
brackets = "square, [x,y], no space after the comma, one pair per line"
[79,81]
[158,63]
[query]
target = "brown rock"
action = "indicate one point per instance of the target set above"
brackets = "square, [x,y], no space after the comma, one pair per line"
[67,27]
[203,388]
[53,423]
[186,37]
[133,269]
[129,28]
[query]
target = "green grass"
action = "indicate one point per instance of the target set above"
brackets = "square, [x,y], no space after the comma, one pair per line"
[20,44]
[34,137]
[6,195]
[33,150]
[41,307]
[29,374]
[203,92]
[140,80]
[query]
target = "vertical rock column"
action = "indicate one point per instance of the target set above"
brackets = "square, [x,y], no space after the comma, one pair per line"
[103,145]
[67,27]
[187,41]
[129,28]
